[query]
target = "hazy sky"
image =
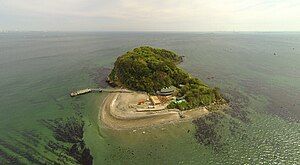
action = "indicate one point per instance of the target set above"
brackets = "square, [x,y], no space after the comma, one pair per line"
[150,15]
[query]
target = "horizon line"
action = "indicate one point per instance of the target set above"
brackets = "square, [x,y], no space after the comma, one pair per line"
[151,31]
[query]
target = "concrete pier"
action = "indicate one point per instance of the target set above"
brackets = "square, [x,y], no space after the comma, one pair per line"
[88,90]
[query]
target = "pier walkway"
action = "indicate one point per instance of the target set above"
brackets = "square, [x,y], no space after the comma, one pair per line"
[89,90]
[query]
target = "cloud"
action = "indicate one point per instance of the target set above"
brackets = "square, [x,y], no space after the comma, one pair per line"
[189,15]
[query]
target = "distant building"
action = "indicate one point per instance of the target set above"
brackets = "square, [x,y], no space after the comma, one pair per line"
[180,98]
[155,100]
[167,91]
[181,85]
[179,101]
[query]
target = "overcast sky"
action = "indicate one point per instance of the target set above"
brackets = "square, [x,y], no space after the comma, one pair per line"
[150,15]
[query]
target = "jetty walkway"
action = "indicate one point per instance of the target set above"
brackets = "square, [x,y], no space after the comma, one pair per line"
[89,90]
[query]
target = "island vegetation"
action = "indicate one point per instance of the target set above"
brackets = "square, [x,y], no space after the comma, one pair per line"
[151,69]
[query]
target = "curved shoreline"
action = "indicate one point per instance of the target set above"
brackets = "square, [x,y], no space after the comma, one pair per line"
[109,117]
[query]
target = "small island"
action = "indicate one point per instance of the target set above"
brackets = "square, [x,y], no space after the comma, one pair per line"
[158,91]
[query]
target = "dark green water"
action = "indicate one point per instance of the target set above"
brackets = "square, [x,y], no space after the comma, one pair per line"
[38,70]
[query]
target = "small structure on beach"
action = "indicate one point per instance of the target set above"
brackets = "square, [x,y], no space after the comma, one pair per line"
[180,98]
[155,100]
[141,102]
[179,101]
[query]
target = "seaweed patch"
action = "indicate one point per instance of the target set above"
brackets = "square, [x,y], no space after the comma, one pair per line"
[206,132]
[211,128]
[68,131]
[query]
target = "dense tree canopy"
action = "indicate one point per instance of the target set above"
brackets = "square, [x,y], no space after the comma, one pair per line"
[151,69]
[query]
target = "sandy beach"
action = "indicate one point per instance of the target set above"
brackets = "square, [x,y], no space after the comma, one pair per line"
[115,113]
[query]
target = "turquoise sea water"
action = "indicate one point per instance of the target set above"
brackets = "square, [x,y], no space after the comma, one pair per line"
[38,70]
